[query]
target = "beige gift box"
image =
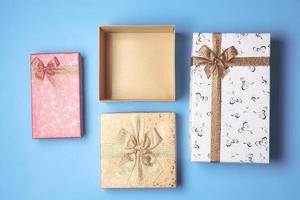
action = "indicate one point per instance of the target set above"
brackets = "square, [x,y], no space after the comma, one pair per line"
[138,150]
[137,63]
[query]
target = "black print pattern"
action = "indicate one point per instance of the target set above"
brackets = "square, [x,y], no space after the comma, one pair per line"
[234,99]
[236,115]
[245,103]
[245,84]
[263,143]
[241,36]
[260,50]
[202,38]
[248,144]
[245,128]
[254,99]
[196,146]
[262,113]
[263,80]
[199,131]
[201,97]
[231,141]
[248,159]
[259,35]
[252,68]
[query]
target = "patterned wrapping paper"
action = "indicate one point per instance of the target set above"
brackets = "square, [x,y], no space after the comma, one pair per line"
[55,90]
[245,102]
[138,150]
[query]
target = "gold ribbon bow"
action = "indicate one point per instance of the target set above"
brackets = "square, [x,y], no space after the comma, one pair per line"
[217,66]
[139,149]
[214,62]
[49,70]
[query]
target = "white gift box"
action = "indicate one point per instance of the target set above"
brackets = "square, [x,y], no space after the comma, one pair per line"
[244,102]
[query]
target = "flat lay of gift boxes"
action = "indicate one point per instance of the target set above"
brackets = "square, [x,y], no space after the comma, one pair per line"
[229,109]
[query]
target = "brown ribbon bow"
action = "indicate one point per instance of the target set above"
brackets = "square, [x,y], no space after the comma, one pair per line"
[214,62]
[52,68]
[141,151]
[217,66]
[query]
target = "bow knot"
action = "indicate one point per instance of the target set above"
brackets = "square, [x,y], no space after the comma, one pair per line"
[215,63]
[139,148]
[49,70]
[143,149]
[42,70]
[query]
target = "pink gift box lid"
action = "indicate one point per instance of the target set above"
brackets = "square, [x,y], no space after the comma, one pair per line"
[56,95]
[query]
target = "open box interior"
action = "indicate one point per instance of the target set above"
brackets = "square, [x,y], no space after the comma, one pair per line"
[137,63]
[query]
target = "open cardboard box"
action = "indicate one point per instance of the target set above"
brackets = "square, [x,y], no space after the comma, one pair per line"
[137,63]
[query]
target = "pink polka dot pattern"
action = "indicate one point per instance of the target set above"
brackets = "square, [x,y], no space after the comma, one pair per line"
[56,109]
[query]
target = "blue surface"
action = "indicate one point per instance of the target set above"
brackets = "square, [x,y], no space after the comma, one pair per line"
[69,168]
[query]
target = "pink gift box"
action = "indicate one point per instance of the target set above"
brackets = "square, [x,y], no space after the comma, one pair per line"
[56,95]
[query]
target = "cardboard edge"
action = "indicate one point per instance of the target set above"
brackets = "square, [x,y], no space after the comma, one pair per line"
[175,148]
[137,28]
[100,159]
[81,94]
[31,107]
[174,64]
[102,79]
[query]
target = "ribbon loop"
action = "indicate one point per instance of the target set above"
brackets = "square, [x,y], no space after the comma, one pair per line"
[206,54]
[228,54]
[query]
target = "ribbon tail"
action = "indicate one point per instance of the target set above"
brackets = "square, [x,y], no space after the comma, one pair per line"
[132,169]
[216,117]
[208,70]
[52,80]
[224,73]
[152,172]
[127,157]
[222,69]
[140,167]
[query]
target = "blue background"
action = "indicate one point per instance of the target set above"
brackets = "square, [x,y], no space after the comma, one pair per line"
[69,168]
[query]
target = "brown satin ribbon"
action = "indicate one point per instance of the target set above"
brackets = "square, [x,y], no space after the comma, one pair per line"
[52,68]
[217,65]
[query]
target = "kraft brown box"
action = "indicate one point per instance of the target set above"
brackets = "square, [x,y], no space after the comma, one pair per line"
[137,63]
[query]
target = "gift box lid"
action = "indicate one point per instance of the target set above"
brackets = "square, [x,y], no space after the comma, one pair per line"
[230,106]
[138,150]
[137,63]
[56,95]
